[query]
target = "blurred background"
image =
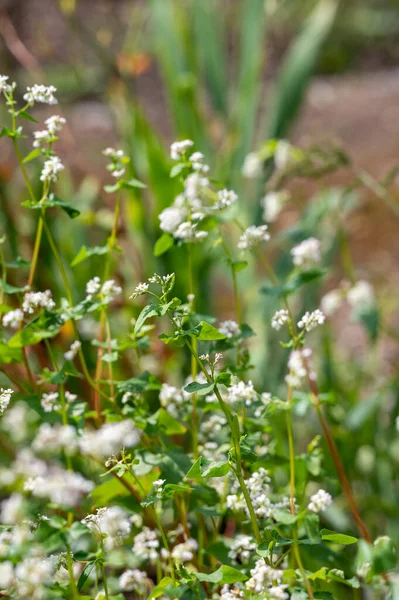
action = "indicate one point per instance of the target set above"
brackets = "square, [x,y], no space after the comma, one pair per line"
[229,74]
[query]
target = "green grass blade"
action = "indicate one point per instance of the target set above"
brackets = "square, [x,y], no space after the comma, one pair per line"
[210,43]
[170,37]
[252,23]
[298,66]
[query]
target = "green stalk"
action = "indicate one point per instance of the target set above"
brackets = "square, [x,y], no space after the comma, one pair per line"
[236,442]
[194,415]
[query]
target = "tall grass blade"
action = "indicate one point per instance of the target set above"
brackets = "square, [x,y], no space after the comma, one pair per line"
[298,67]
[211,49]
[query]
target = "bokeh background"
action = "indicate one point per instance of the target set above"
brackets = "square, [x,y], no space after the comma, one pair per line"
[229,74]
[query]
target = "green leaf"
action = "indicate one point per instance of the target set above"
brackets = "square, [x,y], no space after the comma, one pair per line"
[110,189]
[163,244]
[294,283]
[45,326]
[224,379]
[337,538]
[143,382]
[224,574]
[154,310]
[284,517]
[177,169]
[168,424]
[206,332]
[53,201]
[6,132]
[384,554]
[9,355]
[85,573]
[132,184]
[199,388]
[239,265]
[159,589]
[11,289]
[34,154]
[107,491]
[27,116]
[205,468]
[86,252]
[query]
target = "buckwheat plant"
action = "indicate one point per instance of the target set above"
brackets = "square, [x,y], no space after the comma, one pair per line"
[141,456]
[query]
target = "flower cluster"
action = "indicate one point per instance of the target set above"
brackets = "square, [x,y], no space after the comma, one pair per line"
[320,501]
[307,254]
[253,237]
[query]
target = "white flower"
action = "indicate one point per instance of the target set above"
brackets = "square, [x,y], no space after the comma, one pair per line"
[5,397]
[188,232]
[263,577]
[60,486]
[41,137]
[41,93]
[135,580]
[280,318]
[118,172]
[111,522]
[297,363]
[51,168]
[242,391]
[4,86]
[197,163]
[55,123]
[109,290]
[310,320]
[69,397]
[109,439]
[49,402]
[57,437]
[242,548]
[34,300]
[273,204]
[171,398]
[13,318]
[283,155]
[11,510]
[307,253]
[6,569]
[178,149]
[331,302]
[158,485]
[320,501]
[194,186]
[361,295]
[92,287]
[170,219]
[225,199]
[252,166]
[74,349]
[184,552]
[279,592]
[252,237]
[146,544]
[229,328]
[141,288]
[114,154]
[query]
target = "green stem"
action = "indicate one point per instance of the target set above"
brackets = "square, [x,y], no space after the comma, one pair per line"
[235,434]
[75,591]
[166,544]
[193,361]
[234,278]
